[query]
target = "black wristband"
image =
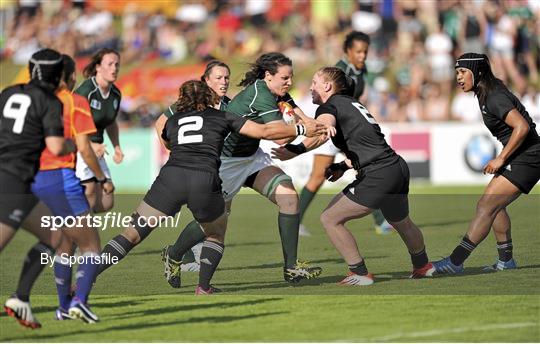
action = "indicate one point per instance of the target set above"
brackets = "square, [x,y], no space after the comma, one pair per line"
[103,181]
[297,149]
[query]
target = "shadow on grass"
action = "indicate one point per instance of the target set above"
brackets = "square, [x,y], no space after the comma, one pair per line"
[94,330]
[193,307]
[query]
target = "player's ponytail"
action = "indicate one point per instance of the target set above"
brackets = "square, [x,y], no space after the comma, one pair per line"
[487,81]
[269,62]
[342,83]
[90,69]
[195,95]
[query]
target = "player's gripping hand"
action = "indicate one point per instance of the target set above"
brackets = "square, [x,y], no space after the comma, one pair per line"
[315,128]
[493,165]
[335,171]
[282,153]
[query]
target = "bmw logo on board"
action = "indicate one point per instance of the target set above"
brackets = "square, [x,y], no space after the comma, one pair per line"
[479,150]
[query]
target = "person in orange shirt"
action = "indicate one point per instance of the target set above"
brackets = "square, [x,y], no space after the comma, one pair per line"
[59,188]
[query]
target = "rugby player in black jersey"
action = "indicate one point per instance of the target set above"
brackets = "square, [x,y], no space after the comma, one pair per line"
[30,120]
[515,170]
[382,181]
[195,135]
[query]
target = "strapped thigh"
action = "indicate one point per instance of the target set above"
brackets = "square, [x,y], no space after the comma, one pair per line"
[273,183]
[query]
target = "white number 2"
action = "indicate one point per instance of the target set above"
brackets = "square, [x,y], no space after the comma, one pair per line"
[18,113]
[364,113]
[190,123]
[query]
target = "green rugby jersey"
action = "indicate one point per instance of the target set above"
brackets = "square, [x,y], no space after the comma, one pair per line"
[222,106]
[104,107]
[256,103]
[355,74]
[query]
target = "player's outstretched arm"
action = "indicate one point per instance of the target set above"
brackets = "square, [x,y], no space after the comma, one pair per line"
[279,130]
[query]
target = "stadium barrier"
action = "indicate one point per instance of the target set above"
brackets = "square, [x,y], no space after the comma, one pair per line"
[440,153]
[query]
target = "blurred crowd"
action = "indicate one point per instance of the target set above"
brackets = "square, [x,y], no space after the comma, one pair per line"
[414,43]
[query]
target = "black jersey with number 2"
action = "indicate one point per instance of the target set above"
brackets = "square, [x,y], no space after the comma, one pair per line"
[196,137]
[29,113]
[358,135]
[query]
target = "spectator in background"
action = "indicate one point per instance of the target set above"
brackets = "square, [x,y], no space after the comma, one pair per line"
[473,28]
[382,103]
[439,50]
[502,46]
[465,108]
[436,104]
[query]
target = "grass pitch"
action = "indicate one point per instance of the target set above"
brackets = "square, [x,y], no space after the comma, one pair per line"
[135,303]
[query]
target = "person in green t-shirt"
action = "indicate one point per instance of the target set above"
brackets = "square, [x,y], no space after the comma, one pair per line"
[104,99]
[244,164]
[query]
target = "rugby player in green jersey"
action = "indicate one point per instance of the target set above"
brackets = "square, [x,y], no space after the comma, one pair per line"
[104,99]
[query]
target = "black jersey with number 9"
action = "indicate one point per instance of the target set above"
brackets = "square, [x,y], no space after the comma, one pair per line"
[196,137]
[29,113]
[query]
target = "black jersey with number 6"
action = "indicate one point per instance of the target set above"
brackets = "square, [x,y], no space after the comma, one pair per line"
[196,137]
[29,113]
[358,135]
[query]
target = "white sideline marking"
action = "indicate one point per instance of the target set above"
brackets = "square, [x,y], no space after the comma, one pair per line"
[452,330]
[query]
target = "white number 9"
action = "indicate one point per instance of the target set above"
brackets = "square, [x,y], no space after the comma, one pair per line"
[18,113]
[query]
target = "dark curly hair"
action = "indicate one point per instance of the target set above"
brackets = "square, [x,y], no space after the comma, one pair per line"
[354,36]
[269,62]
[195,95]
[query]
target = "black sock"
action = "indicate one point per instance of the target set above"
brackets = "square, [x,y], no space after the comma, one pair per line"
[119,247]
[288,231]
[419,259]
[31,269]
[306,196]
[505,250]
[211,254]
[190,236]
[359,268]
[462,251]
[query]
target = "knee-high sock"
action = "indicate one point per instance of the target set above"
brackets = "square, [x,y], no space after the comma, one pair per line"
[288,231]
[306,196]
[118,247]
[190,236]
[86,275]
[211,254]
[31,269]
[62,278]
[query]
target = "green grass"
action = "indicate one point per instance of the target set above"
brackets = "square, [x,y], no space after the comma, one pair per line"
[136,304]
